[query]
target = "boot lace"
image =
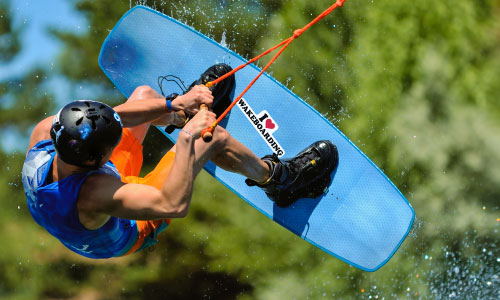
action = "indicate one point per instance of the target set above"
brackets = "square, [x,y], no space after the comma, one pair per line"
[303,162]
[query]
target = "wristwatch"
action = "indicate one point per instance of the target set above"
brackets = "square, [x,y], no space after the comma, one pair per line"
[168,101]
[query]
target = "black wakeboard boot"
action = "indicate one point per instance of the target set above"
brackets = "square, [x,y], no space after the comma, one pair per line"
[307,175]
[221,91]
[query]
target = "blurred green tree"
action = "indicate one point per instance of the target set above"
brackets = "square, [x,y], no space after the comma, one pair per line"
[22,100]
[413,85]
[9,36]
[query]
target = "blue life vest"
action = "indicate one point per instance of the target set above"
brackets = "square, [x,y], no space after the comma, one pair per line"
[54,207]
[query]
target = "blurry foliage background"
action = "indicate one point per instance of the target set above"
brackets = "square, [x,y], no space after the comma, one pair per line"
[413,84]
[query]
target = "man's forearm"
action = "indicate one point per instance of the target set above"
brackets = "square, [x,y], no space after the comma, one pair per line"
[178,186]
[134,113]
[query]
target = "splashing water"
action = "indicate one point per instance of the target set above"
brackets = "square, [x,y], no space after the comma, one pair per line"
[223,40]
[468,276]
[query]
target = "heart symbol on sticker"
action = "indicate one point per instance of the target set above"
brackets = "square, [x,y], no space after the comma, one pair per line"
[270,124]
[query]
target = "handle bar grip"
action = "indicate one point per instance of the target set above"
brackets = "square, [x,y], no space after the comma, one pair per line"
[207,133]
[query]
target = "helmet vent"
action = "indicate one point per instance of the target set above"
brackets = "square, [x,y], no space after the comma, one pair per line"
[79,121]
[75,109]
[106,119]
[87,103]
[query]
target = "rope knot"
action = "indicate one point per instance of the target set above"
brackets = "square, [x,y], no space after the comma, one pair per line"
[297,33]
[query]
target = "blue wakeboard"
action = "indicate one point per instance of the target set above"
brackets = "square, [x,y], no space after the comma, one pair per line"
[362,219]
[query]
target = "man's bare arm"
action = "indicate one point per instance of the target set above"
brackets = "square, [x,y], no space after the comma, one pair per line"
[107,195]
[134,113]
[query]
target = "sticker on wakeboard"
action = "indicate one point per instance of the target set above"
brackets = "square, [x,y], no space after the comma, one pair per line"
[264,124]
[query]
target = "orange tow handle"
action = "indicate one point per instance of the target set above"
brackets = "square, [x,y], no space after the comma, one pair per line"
[207,134]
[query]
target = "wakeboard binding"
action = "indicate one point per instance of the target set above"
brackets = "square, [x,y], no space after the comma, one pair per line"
[307,175]
[221,91]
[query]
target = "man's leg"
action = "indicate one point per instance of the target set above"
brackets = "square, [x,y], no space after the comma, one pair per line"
[284,181]
[140,93]
[307,175]
[127,156]
[231,155]
[235,157]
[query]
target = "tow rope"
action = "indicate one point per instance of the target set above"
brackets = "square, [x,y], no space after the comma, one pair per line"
[208,132]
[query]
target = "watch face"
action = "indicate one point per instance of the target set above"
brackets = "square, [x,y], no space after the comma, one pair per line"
[172,96]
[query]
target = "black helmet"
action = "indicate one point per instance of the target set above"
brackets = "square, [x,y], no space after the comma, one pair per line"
[85,131]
